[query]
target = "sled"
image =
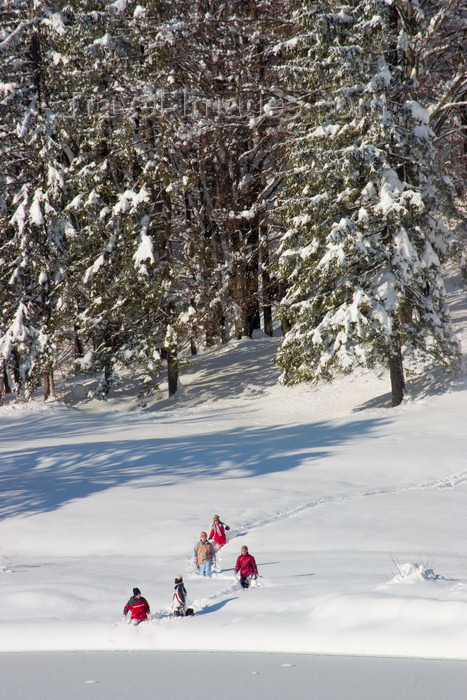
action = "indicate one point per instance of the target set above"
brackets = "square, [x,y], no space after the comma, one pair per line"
[189,613]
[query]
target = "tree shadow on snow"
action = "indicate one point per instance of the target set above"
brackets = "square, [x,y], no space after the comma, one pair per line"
[215,606]
[433,383]
[40,479]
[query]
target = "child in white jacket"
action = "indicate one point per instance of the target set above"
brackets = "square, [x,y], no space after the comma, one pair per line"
[179,598]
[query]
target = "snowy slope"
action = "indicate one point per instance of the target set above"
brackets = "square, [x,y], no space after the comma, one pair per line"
[356,514]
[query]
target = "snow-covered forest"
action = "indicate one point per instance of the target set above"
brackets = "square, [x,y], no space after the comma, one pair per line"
[177,174]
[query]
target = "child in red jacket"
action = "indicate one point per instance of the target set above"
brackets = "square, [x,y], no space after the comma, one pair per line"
[246,565]
[218,532]
[139,607]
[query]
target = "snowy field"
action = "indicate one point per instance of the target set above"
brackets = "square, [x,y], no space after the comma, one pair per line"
[356,514]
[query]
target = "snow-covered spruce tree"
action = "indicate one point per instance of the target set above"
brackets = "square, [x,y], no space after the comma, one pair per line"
[364,241]
[121,274]
[32,196]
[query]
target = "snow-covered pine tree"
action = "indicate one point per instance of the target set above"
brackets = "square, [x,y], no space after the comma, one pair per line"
[32,185]
[365,242]
[121,273]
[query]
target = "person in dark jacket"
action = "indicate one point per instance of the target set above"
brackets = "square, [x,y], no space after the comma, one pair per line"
[139,608]
[246,565]
[179,598]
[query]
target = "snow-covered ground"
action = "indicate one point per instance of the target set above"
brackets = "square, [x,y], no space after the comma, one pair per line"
[356,514]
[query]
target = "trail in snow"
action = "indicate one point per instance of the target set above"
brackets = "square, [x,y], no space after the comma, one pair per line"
[209,603]
[452,481]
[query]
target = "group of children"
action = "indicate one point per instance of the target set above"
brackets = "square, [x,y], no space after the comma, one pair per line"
[204,555]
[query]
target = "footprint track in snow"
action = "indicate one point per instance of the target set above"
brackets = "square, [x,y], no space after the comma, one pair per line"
[452,481]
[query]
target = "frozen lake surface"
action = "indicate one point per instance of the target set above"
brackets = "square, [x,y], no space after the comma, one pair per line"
[220,676]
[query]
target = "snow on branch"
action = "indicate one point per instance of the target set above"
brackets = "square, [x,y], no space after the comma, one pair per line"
[5,44]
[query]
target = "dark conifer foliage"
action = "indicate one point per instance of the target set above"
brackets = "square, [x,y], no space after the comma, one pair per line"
[145,148]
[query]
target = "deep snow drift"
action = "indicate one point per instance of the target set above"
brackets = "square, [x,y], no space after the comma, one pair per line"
[356,514]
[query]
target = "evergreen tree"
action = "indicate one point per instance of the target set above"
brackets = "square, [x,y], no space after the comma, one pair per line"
[365,239]
[32,185]
[121,278]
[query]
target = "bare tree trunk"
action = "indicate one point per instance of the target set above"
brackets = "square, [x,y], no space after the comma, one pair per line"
[77,344]
[237,294]
[172,371]
[267,286]
[396,370]
[4,383]
[251,272]
[16,373]
[252,318]
[52,385]
[215,325]
[107,376]
[46,386]
[49,386]
[267,308]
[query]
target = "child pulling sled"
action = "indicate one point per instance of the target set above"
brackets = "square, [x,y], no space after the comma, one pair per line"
[179,599]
